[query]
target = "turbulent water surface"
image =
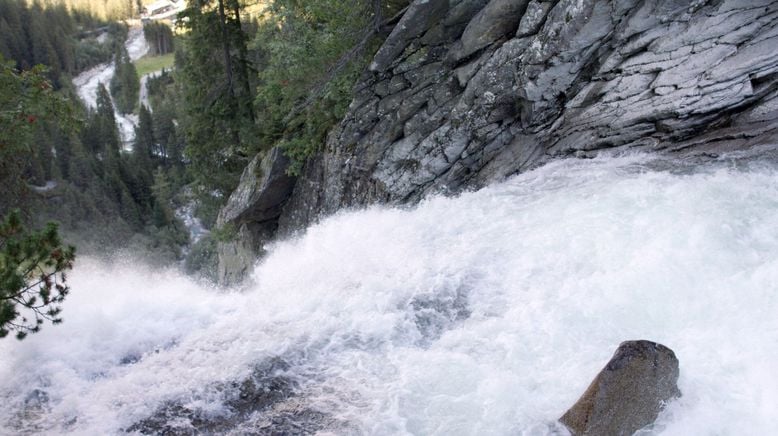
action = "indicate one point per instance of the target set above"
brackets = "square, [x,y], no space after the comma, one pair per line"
[488,313]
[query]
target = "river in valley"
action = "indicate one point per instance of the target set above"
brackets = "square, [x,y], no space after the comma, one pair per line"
[87,82]
[487,313]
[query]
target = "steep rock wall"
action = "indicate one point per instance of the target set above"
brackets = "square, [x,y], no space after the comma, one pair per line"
[466,92]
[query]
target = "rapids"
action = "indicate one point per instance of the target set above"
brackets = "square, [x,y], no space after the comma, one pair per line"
[484,313]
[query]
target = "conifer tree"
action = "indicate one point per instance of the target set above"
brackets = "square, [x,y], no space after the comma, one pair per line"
[107,130]
[125,85]
[145,147]
[143,160]
[218,127]
[43,154]
[162,213]
[25,99]
[79,166]
[164,128]
[62,151]
[159,37]
[32,276]
[32,264]
[11,30]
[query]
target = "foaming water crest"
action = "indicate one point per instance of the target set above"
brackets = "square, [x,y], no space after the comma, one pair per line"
[488,313]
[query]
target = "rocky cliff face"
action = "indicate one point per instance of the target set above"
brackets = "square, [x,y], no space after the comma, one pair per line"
[466,92]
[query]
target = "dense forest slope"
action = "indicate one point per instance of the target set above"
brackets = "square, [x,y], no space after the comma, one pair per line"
[463,93]
[72,165]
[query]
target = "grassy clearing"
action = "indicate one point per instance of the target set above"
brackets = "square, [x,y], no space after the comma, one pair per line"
[149,64]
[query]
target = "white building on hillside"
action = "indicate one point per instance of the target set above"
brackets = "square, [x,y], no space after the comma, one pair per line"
[163,10]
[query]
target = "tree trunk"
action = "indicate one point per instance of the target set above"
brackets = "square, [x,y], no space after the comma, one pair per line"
[226,47]
[228,70]
[243,69]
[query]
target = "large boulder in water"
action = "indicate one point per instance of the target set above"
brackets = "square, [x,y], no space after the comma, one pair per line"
[628,393]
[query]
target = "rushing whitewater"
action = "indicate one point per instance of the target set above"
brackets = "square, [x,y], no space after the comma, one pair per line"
[488,313]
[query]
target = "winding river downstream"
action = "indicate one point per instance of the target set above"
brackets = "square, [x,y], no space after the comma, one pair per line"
[87,82]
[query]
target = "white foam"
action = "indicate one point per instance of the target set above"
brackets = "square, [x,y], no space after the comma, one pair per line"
[556,268]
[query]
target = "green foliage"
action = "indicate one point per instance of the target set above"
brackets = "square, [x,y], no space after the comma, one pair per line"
[161,245]
[162,212]
[161,88]
[216,94]
[122,185]
[145,147]
[164,99]
[98,46]
[32,276]
[314,51]
[160,38]
[27,101]
[100,133]
[207,205]
[164,234]
[202,259]
[289,86]
[25,97]
[34,36]
[125,85]
[225,233]
[66,41]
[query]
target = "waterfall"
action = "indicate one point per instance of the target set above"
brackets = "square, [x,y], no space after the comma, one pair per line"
[484,313]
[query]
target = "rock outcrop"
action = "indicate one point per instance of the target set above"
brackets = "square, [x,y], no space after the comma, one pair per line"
[628,393]
[466,92]
[252,211]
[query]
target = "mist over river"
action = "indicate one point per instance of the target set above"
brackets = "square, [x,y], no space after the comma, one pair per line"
[486,313]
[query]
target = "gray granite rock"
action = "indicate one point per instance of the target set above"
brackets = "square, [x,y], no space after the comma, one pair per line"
[498,19]
[421,15]
[241,250]
[628,393]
